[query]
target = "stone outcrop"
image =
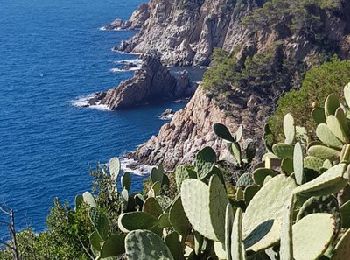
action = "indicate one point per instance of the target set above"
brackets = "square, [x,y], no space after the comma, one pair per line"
[185,32]
[151,84]
[186,35]
[135,22]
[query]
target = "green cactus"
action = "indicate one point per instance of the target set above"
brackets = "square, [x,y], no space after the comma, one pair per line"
[337,128]
[289,129]
[319,116]
[114,168]
[95,242]
[78,202]
[309,240]
[100,222]
[260,174]
[236,151]
[345,154]
[298,164]
[245,180]
[342,249]
[283,151]
[329,182]
[89,199]
[237,246]
[136,220]
[287,166]
[222,131]
[178,219]
[144,244]
[327,137]
[228,230]
[313,163]
[347,94]
[182,173]
[208,216]
[217,199]
[151,206]
[126,181]
[114,246]
[163,221]
[331,104]
[157,174]
[321,204]
[249,193]
[345,213]
[174,245]
[205,159]
[263,216]
[286,248]
[323,152]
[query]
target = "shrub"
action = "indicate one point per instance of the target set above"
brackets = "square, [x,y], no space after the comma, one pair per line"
[319,82]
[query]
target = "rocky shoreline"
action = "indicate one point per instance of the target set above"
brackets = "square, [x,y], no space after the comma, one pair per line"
[152,83]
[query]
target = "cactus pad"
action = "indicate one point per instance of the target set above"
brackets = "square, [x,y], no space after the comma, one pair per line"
[114,246]
[222,131]
[328,182]
[136,220]
[245,180]
[327,137]
[151,206]
[261,224]
[228,230]
[182,173]
[331,104]
[237,247]
[89,199]
[260,174]
[114,168]
[289,129]
[310,241]
[337,128]
[313,163]
[178,219]
[298,164]
[323,152]
[283,151]
[144,244]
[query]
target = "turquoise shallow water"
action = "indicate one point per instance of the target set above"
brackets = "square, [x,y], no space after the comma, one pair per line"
[51,53]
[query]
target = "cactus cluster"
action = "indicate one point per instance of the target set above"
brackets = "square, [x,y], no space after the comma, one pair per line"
[294,208]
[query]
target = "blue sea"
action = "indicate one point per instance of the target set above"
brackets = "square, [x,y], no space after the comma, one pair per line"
[52,53]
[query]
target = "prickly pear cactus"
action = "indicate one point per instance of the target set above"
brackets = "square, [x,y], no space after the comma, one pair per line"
[228,230]
[136,220]
[260,174]
[342,249]
[263,217]
[328,182]
[327,137]
[286,248]
[182,173]
[245,180]
[283,151]
[144,244]
[298,164]
[151,206]
[114,168]
[89,199]
[321,204]
[178,219]
[289,129]
[237,247]
[203,206]
[309,240]
[113,246]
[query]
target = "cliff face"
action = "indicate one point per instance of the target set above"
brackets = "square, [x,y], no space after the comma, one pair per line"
[185,32]
[151,84]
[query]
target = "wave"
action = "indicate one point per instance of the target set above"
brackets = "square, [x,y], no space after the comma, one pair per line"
[118,29]
[83,101]
[131,165]
[119,70]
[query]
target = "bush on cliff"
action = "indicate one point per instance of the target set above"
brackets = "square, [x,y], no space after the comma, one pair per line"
[319,82]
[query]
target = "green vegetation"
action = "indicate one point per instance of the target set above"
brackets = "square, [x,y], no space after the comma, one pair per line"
[296,206]
[319,82]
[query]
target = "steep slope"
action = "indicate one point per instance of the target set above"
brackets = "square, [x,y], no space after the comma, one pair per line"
[186,31]
[272,47]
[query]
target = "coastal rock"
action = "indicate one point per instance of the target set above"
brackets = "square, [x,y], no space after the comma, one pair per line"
[186,32]
[151,84]
[135,22]
[196,28]
[167,114]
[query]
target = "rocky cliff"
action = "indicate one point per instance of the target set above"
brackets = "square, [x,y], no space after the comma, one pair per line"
[151,84]
[269,61]
[185,32]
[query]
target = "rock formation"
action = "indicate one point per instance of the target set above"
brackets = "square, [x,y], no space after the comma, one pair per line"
[185,33]
[135,22]
[151,84]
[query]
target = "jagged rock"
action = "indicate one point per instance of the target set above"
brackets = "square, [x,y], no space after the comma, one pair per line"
[135,22]
[167,114]
[187,34]
[152,83]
